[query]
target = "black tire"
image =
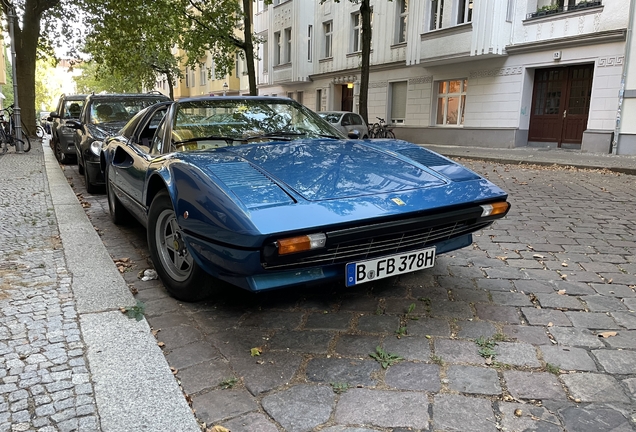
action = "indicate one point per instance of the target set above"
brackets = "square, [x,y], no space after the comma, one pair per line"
[118,212]
[90,188]
[389,134]
[180,274]
[80,167]
[58,152]
[39,132]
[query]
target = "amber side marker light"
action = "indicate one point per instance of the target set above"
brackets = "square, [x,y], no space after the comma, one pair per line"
[494,208]
[301,243]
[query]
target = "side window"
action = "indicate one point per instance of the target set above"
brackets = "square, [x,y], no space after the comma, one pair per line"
[346,120]
[147,130]
[157,145]
[356,119]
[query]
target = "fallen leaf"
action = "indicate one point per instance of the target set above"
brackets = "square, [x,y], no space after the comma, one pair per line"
[161,344]
[561,292]
[427,336]
[539,256]
[550,324]
[564,276]
[256,351]
[607,334]
[564,264]
[219,429]
[518,412]
[503,258]
[174,370]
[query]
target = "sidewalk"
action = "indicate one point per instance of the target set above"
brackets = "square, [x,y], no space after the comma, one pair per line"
[541,156]
[69,358]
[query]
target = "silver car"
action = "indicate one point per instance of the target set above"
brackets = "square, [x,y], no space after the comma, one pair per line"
[347,122]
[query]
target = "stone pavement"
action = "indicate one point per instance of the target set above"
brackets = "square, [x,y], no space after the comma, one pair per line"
[533,328]
[69,359]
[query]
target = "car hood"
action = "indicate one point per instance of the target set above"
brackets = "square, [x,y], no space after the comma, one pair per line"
[327,169]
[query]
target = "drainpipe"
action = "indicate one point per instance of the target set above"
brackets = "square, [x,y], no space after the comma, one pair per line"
[621,92]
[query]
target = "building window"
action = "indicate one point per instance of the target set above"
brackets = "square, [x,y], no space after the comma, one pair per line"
[203,74]
[187,76]
[465,11]
[510,10]
[310,30]
[437,12]
[319,100]
[288,45]
[277,48]
[299,97]
[192,77]
[237,63]
[290,95]
[356,37]
[398,101]
[403,9]
[451,100]
[328,29]
[265,56]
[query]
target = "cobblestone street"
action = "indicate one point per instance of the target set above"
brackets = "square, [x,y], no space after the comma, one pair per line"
[533,328]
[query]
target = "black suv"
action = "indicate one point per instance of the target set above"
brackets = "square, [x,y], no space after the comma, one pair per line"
[104,115]
[68,107]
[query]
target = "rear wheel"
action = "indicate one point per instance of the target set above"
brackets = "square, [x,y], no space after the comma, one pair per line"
[26,143]
[389,134]
[39,131]
[181,275]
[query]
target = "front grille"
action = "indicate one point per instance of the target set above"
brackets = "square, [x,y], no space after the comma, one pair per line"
[376,245]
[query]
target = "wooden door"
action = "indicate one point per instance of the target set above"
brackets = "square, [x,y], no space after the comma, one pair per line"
[347,99]
[560,104]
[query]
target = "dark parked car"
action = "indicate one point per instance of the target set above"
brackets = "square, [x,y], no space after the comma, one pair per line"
[68,107]
[103,115]
[262,193]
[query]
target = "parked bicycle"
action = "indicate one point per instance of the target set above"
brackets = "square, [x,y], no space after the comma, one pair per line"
[7,131]
[380,130]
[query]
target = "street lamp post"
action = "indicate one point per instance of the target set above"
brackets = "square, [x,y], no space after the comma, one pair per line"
[16,107]
[224,88]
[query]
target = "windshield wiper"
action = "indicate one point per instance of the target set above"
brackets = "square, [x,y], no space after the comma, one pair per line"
[280,135]
[228,140]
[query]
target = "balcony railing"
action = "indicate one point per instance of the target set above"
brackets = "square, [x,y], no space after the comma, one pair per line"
[550,10]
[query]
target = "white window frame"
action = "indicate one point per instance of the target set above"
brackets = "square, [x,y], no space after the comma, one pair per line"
[356,32]
[327,28]
[300,96]
[401,27]
[395,119]
[441,102]
[436,9]
[265,58]
[310,30]
[277,48]
[464,11]
[203,74]
[288,45]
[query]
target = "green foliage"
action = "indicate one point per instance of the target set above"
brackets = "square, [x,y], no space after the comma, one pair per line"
[437,359]
[384,358]
[96,79]
[228,383]
[339,387]
[553,369]
[487,347]
[136,312]
[133,40]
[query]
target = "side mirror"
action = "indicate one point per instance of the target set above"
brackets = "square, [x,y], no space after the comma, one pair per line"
[73,124]
[354,134]
[53,114]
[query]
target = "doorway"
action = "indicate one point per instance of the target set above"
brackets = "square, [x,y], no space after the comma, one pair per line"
[560,105]
[347,98]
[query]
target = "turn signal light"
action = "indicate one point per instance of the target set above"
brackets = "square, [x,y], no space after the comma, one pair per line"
[494,208]
[301,243]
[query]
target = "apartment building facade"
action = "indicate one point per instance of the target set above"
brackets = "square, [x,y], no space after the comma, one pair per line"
[494,73]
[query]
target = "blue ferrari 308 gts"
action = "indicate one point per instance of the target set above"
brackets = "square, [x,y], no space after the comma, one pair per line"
[263,193]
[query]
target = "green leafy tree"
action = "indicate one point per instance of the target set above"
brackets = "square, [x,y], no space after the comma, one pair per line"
[224,28]
[96,79]
[365,14]
[41,25]
[134,39]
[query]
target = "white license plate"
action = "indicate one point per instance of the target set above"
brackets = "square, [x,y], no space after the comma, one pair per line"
[380,268]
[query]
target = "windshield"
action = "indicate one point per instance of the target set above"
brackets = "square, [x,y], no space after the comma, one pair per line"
[118,110]
[73,108]
[239,121]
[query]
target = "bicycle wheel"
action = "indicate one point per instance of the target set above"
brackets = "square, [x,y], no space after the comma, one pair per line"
[39,131]
[26,143]
[389,134]
[373,130]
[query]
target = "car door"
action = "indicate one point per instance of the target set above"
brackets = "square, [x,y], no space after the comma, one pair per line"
[131,160]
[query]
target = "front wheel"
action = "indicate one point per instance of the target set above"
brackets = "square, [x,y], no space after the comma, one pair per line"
[26,143]
[39,132]
[181,275]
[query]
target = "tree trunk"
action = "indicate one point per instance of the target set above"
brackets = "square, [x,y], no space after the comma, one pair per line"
[169,77]
[249,46]
[26,43]
[365,12]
